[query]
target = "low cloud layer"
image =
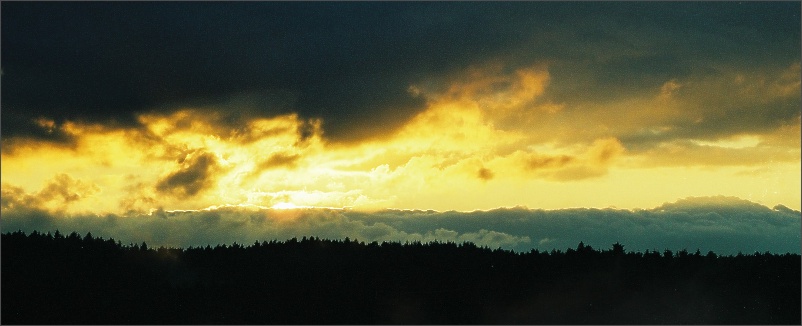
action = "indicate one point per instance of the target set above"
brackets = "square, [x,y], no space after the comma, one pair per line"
[725,225]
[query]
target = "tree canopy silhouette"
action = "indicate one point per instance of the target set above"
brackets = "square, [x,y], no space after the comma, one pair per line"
[52,279]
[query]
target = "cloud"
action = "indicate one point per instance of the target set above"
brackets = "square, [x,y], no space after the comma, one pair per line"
[14,197]
[688,153]
[605,150]
[433,162]
[729,103]
[352,64]
[27,129]
[485,174]
[66,188]
[279,160]
[589,161]
[58,194]
[725,225]
[408,105]
[538,161]
[196,174]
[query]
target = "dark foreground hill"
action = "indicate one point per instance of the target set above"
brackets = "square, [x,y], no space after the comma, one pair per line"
[83,280]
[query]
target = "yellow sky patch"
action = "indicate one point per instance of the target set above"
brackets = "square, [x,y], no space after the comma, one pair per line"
[487,141]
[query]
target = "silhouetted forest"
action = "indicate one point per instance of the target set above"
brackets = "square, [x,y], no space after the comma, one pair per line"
[73,279]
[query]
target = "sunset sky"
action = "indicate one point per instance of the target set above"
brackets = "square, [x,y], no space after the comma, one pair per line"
[131,110]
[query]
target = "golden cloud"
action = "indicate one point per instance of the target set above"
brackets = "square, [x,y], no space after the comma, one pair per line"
[489,139]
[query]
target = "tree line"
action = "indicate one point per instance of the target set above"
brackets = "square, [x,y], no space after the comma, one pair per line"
[73,279]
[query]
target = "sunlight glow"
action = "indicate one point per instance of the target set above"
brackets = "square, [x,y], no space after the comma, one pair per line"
[482,143]
[284,205]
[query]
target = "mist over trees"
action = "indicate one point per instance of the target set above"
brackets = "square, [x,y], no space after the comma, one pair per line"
[75,279]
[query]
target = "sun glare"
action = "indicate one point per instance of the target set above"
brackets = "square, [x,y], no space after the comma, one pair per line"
[284,205]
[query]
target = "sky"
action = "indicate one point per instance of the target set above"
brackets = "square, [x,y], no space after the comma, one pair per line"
[114,114]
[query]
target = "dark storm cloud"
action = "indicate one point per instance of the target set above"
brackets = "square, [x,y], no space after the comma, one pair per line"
[346,63]
[631,48]
[351,64]
[23,124]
